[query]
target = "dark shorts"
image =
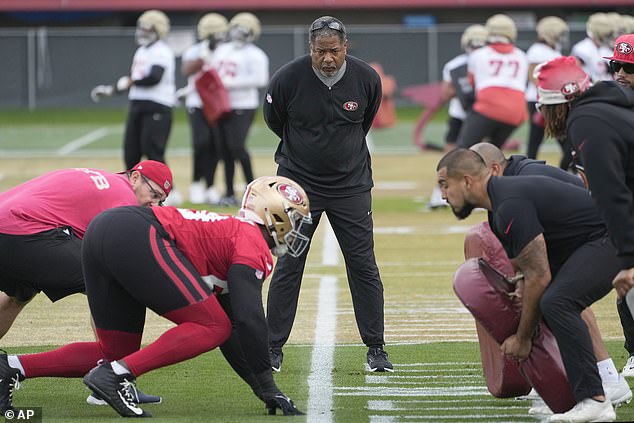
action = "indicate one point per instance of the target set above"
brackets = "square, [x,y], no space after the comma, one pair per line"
[131,264]
[453,130]
[48,261]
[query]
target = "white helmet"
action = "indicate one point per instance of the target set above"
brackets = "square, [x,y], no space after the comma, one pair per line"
[281,206]
[601,29]
[501,27]
[212,25]
[627,21]
[552,30]
[244,27]
[151,26]
[475,36]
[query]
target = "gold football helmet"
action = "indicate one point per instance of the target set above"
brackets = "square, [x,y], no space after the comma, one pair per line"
[245,27]
[281,206]
[212,25]
[553,30]
[475,36]
[151,26]
[501,26]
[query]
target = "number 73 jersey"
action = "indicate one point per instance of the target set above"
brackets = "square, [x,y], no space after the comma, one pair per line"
[499,73]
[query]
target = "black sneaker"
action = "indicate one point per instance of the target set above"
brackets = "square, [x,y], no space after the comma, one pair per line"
[9,380]
[115,390]
[277,356]
[139,397]
[228,202]
[378,360]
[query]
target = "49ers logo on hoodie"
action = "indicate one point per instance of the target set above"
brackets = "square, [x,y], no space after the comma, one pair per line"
[350,106]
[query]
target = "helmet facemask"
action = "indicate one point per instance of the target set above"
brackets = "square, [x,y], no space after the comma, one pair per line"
[145,35]
[292,242]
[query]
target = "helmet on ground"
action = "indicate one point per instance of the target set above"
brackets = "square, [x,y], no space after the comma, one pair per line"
[281,206]
[212,25]
[499,27]
[245,27]
[600,28]
[475,36]
[552,29]
[151,26]
[560,80]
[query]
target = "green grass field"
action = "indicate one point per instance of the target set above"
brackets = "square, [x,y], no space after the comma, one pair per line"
[430,336]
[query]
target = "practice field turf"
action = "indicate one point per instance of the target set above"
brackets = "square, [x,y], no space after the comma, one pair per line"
[430,335]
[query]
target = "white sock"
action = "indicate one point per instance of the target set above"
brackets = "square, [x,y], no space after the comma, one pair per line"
[118,368]
[608,371]
[14,362]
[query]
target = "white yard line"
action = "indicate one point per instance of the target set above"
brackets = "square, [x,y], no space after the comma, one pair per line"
[78,143]
[320,392]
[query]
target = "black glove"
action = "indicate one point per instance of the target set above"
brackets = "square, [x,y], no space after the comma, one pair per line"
[284,403]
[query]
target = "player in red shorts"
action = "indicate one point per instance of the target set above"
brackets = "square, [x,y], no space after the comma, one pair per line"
[201,270]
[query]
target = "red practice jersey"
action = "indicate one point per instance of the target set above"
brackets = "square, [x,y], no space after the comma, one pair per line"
[68,197]
[214,242]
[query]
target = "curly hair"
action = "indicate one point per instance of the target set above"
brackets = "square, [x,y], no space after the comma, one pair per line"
[555,116]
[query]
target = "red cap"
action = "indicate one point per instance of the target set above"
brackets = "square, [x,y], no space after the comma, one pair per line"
[157,172]
[623,49]
[560,80]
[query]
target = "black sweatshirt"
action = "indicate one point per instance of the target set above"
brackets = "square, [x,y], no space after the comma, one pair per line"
[322,130]
[600,127]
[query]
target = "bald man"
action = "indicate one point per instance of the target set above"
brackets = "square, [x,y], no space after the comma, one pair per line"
[554,236]
[616,388]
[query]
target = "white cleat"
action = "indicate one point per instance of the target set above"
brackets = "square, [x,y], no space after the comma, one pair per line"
[532,395]
[197,193]
[540,409]
[587,410]
[618,393]
[628,369]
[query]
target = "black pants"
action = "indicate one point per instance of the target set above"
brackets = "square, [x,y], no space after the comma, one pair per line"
[48,261]
[478,128]
[583,279]
[453,130]
[206,146]
[535,133]
[351,220]
[146,132]
[234,129]
[131,263]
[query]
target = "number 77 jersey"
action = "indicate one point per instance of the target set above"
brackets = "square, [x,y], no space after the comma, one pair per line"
[499,73]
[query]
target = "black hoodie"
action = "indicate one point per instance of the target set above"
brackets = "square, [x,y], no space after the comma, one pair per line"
[600,127]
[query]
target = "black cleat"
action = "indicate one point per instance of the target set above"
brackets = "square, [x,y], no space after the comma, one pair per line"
[9,380]
[277,356]
[284,403]
[115,389]
[378,360]
[139,397]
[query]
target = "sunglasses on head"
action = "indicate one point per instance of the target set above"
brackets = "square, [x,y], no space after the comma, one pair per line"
[616,66]
[316,26]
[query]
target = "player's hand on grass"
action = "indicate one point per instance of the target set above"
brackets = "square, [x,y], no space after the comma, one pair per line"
[279,400]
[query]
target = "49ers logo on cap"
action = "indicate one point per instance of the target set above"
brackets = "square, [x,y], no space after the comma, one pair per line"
[350,106]
[624,48]
[569,89]
[290,193]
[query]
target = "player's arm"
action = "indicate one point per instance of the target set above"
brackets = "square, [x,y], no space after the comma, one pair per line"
[273,109]
[598,144]
[249,339]
[532,262]
[374,101]
[447,91]
[152,78]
